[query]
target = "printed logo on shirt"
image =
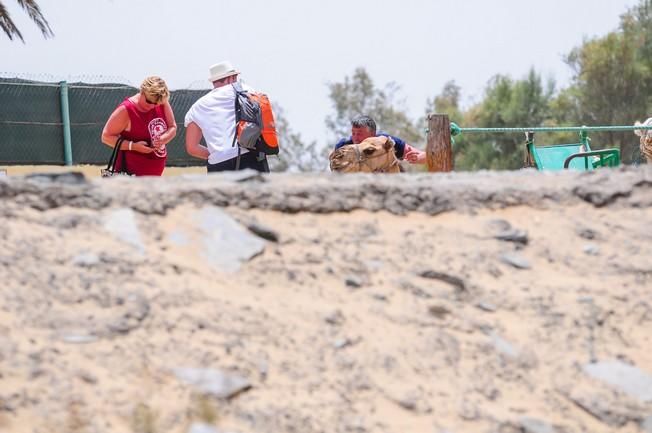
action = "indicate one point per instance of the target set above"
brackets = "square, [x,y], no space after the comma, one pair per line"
[156,128]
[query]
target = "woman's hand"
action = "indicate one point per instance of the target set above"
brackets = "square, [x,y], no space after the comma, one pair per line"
[158,144]
[141,147]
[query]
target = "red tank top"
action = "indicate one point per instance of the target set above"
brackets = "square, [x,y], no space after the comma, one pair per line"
[145,126]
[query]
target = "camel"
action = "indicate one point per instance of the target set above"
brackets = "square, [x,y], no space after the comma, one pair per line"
[372,155]
[646,139]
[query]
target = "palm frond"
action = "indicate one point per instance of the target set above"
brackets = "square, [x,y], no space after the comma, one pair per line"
[35,14]
[7,24]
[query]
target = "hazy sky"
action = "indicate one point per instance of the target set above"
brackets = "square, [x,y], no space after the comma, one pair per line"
[291,49]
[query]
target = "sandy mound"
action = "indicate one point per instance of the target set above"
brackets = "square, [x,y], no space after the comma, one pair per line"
[515,302]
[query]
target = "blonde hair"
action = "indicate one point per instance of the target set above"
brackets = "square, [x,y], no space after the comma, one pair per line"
[155,88]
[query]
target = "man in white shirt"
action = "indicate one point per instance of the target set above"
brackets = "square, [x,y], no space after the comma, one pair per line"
[213,117]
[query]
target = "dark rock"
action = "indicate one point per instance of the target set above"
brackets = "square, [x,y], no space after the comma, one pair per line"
[601,194]
[439,311]
[587,233]
[603,410]
[516,236]
[353,282]
[121,326]
[454,281]
[411,400]
[503,230]
[408,404]
[87,377]
[263,231]
[335,318]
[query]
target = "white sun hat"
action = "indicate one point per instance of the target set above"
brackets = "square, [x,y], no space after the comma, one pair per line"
[221,70]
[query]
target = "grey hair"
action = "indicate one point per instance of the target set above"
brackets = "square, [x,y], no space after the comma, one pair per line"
[364,121]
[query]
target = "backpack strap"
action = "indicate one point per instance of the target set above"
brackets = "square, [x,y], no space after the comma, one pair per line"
[237,86]
[237,161]
[238,89]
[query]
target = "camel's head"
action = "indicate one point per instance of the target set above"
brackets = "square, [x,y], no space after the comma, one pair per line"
[646,139]
[373,154]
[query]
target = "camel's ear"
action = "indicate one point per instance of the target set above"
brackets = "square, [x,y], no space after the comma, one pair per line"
[389,144]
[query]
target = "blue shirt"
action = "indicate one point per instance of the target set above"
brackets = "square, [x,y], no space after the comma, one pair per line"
[399,149]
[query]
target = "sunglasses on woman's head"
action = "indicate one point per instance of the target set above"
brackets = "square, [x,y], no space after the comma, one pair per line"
[150,102]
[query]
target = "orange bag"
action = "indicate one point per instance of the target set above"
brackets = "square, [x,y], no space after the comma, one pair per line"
[255,126]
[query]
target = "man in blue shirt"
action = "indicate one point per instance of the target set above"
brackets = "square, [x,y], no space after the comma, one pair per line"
[363,127]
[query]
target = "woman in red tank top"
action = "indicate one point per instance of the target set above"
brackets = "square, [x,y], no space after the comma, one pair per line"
[146,122]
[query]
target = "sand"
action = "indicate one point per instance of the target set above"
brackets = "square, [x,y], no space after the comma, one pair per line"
[472,305]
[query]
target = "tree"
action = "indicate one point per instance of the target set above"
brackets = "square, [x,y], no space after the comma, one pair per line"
[636,24]
[613,80]
[506,104]
[608,87]
[358,95]
[447,102]
[295,154]
[34,12]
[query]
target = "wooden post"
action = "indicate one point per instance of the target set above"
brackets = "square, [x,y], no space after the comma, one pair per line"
[439,152]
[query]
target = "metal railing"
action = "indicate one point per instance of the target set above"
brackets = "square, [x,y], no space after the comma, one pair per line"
[457,130]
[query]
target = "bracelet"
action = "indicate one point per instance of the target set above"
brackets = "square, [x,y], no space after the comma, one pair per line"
[130,143]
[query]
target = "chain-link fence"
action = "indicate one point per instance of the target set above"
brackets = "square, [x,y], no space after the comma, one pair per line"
[32,120]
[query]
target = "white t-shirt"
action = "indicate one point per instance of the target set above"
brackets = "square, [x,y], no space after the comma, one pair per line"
[214,113]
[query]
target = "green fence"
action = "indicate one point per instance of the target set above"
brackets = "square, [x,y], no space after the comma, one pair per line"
[33,119]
